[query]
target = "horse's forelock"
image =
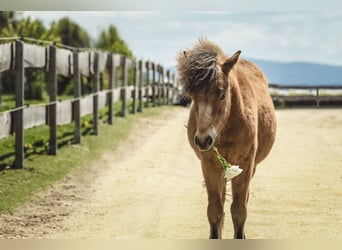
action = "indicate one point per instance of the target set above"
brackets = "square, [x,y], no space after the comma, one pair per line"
[198,69]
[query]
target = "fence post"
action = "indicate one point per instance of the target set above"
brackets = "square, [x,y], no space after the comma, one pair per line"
[317,97]
[77,95]
[1,88]
[174,89]
[135,86]
[163,87]
[96,92]
[153,85]
[53,98]
[168,86]
[147,90]
[112,76]
[140,93]
[160,82]
[123,87]
[19,102]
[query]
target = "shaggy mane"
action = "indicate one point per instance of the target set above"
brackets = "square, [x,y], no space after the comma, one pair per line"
[199,66]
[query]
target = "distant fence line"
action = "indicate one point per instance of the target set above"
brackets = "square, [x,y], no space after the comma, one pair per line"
[152,85]
[317,99]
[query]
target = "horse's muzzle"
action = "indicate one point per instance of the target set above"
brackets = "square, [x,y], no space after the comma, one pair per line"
[204,143]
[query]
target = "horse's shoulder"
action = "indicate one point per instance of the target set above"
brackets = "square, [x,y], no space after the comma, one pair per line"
[249,73]
[248,66]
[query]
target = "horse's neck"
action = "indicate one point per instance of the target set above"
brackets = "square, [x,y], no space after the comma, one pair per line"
[236,103]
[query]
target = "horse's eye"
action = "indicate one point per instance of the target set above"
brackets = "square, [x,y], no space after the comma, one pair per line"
[223,96]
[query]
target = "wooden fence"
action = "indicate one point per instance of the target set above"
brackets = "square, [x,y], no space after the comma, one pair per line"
[152,85]
[315,98]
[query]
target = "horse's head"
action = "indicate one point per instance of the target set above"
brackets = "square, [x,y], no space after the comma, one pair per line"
[204,73]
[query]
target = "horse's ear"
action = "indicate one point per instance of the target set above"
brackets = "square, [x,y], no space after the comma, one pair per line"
[185,53]
[230,62]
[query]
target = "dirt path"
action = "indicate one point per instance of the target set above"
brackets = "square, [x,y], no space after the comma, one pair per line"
[151,187]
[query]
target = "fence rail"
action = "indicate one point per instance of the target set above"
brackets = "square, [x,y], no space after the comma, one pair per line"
[317,98]
[152,85]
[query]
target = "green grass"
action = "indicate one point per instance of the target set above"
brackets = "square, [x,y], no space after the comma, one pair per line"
[41,170]
[7,102]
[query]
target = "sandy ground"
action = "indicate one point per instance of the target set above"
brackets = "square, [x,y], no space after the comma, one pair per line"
[151,187]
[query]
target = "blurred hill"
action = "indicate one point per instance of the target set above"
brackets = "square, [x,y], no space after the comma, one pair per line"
[300,73]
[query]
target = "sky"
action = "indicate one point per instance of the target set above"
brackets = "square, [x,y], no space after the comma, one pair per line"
[285,36]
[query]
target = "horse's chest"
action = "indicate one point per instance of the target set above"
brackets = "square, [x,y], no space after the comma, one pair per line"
[237,133]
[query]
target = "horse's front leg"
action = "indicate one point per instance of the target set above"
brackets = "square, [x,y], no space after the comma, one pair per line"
[216,189]
[238,209]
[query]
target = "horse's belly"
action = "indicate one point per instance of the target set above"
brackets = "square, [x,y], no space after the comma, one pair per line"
[266,132]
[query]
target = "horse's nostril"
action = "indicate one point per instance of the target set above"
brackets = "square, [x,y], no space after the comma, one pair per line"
[197,141]
[209,140]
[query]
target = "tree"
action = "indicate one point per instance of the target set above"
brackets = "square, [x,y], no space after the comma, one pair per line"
[8,18]
[71,33]
[111,41]
[29,28]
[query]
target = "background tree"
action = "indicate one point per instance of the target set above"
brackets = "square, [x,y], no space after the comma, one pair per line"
[8,18]
[111,41]
[71,33]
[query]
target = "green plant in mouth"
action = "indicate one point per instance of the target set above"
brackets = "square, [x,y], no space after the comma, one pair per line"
[230,170]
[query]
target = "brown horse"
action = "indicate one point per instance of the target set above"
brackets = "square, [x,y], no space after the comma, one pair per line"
[233,111]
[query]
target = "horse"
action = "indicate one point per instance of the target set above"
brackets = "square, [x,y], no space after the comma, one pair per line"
[232,110]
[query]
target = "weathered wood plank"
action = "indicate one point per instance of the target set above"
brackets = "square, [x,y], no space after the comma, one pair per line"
[174,89]
[116,95]
[64,112]
[103,57]
[84,63]
[86,105]
[34,56]
[64,61]
[5,56]
[34,116]
[5,124]
[117,59]
[102,99]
